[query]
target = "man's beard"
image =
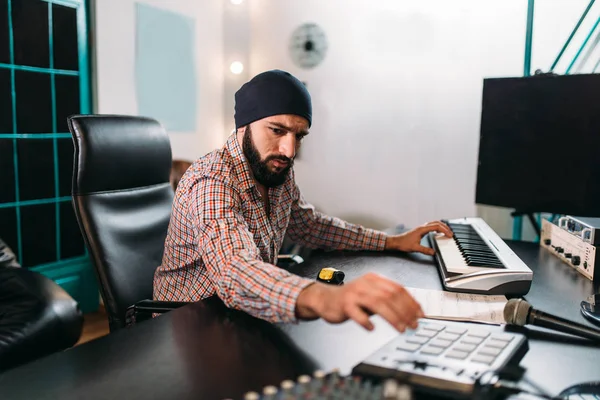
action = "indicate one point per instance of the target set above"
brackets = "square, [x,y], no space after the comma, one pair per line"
[260,169]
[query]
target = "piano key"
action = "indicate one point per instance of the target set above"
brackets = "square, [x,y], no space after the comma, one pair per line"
[479,253]
[491,260]
[464,245]
[466,251]
[482,259]
[471,237]
[487,253]
[484,264]
[479,256]
[469,242]
[474,250]
[452,258]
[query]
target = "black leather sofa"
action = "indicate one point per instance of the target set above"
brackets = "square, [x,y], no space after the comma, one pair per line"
[37,317]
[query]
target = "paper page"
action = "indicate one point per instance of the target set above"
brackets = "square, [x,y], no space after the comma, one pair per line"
[437,304]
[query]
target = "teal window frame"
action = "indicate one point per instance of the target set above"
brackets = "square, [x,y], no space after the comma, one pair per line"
[63,270]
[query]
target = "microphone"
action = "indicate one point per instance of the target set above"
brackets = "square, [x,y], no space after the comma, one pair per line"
[519,312]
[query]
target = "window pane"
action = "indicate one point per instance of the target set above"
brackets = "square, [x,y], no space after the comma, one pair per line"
[4,46]
[34,105]
[30,33]
[7,172]
[6,119]
[38,233]
[67,100]
[65,166]
[36,168]
[64,26]
[8,227]
[71,241]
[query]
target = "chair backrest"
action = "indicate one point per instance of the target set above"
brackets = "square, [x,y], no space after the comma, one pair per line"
[122,199]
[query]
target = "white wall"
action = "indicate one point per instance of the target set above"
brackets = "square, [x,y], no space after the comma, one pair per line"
[114,38]
[236,47]
[397,100]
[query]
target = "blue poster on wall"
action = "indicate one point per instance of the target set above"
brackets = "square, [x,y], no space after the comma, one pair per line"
[165,70]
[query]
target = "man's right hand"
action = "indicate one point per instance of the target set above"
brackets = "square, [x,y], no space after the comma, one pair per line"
[358,300]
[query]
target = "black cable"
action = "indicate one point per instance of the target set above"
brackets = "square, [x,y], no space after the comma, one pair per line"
[498,387]
[490,384]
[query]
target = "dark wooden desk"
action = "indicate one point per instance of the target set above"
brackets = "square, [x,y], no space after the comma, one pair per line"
[204,351]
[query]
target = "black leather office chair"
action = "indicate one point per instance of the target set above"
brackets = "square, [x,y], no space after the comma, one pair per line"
[37,316]
[7,257]
[122,199]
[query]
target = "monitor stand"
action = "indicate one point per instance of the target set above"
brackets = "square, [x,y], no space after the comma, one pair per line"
[531,217]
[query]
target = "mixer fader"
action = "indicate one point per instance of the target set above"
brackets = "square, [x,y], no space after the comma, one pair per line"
[323,386]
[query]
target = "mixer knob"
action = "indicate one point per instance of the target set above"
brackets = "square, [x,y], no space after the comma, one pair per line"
[319,374]
[392,390]
[287,386]
[269,392]
[269,389]
[251,396]
[317,382]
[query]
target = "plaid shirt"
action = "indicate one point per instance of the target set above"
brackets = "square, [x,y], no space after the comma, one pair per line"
[220,239]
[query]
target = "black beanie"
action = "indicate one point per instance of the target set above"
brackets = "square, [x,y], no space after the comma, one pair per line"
[271,93]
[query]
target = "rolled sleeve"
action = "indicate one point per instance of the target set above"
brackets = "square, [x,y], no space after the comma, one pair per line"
[373,240]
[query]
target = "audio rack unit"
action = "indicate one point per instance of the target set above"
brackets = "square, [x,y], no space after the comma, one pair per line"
[574,240]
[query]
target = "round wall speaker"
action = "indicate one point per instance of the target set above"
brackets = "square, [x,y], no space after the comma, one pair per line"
[308,45]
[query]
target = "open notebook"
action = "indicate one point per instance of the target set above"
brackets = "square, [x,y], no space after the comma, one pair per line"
[452,306]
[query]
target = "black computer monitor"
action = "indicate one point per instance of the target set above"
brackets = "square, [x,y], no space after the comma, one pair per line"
[539,147]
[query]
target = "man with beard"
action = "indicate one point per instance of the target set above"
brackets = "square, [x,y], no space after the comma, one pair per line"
[233,207]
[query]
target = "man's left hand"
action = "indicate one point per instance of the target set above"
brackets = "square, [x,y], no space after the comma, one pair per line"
[411,240]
